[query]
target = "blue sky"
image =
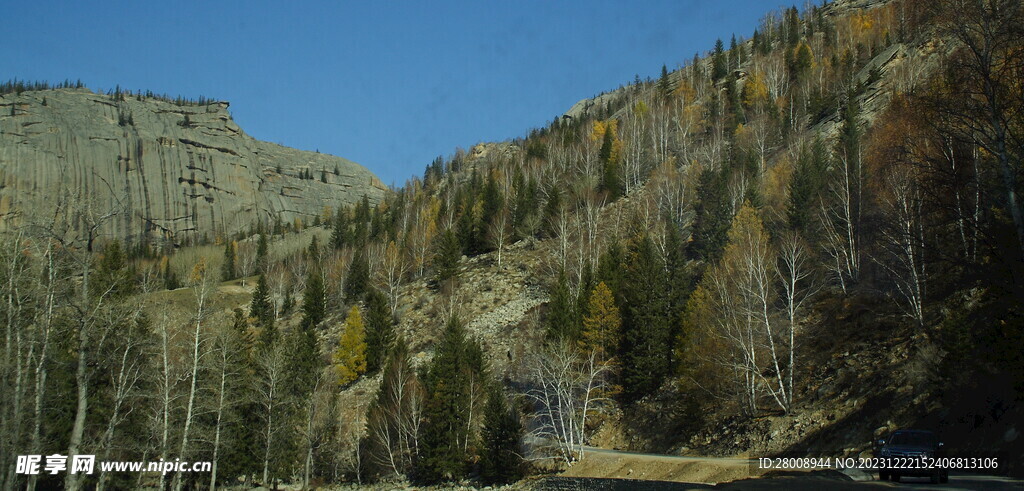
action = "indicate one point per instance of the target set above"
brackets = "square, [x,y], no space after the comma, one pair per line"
[388,84]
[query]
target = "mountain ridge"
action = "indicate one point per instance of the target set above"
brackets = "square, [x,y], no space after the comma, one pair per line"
[163,171]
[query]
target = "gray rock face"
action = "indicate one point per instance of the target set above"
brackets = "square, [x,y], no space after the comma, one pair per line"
[161,171]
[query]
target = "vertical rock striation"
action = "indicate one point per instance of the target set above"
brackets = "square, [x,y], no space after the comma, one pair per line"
[156,170]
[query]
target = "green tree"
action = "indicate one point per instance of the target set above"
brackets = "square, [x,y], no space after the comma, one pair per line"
[361,221]
[445,428]
[850,130]
[680,281]
[340,234]
[261,308]
[313,252]
[493,201]
[647,327]
[261,252]
[805,186]
[561,316]
[113,276]
[314,300]
[713,215]
[501,461]
[358,278]
[552,208]
[664,85]
[791,25]
[734,58]
[380,329]
[171,281]
[611,179]
[718,64]
[227,269]
[447,253]
[800,62]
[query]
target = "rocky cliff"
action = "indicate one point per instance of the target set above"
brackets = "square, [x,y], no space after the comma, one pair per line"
[145,167]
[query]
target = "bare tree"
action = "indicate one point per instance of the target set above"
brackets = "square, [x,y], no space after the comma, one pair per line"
[763,133]
[739,305]
[561,225]
[321,416]
[272,400]
[568,388]
[246,260]
[128,367]
[981,102]
[839,220]
[498,232]
[391,272]
[421,235]
[26,350]
[227,377]
[166,380]
[902,240]
[394,419]
[203,286]
[796,277]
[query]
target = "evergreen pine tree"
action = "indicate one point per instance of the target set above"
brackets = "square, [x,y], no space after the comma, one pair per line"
[561,319]
[261,252]
[227,269]
[445,428]
[340,234]
[647,328]
[261,308]
[551,210]
[361,219]
[680,282]
[313,252]
[611,180]
[314,300]
[734,53]
[610,271]
[493,201]
[304,363]
[800,62]
[792,25]
[718,64]
[664,86]
[713,215]
[805,185]
[358,278]
[380,329]
[112,277]
[171,281]
[501,461]
[239,458]
[850,132]
[448,251]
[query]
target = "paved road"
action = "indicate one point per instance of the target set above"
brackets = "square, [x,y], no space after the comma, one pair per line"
[668,458]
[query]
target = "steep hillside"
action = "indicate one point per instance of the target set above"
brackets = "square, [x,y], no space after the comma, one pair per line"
[157,170]
[790,246]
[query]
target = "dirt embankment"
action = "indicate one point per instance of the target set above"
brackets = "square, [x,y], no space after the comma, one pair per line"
[606,464]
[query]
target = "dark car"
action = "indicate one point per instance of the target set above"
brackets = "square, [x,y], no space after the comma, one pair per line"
[911,444]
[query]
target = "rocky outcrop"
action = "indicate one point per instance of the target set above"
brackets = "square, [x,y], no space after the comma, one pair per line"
[149,168]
